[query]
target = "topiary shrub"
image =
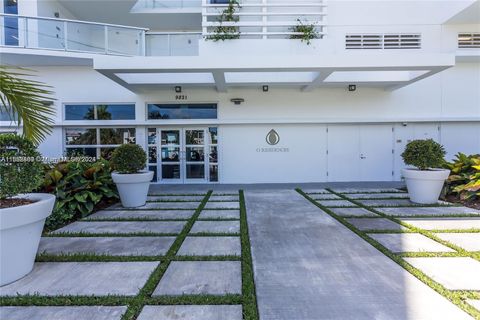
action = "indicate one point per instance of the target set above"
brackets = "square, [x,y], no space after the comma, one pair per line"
[424,154]
[128,158]
[21,168]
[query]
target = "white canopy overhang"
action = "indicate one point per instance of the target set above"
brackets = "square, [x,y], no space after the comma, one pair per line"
[388,71]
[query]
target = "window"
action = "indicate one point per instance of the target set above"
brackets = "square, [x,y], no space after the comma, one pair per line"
[10,23]
[96,142]
[100,112]
[182,111]
[7,116]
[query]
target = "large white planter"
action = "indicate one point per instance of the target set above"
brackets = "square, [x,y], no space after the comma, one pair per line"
[20,231]
[425,186]
[133,187]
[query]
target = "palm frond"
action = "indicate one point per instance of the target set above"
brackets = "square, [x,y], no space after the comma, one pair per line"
[26,100]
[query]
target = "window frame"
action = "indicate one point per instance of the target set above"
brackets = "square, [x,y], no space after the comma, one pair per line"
[215,103]
[95,105]
[98,146]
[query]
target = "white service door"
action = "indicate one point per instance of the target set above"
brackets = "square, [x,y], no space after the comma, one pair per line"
[376,156]
[343,153]
[360,153]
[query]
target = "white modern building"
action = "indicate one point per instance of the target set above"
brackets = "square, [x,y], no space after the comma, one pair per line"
[260,108]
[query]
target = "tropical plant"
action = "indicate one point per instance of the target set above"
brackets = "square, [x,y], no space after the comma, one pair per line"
[304,31]
[79,186]
[21,169]
[464,179]
[129,158]
[227,32]
[424,154]
[26,100]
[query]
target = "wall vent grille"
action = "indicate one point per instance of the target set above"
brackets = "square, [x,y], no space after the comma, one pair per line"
[468,40]
[383,41]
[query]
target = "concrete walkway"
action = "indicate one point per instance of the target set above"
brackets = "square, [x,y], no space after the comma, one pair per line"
[308,266]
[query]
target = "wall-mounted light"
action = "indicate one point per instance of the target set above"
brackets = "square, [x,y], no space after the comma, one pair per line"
[265,88]
[352,87]
[237,101]
[57,14]
[178,89]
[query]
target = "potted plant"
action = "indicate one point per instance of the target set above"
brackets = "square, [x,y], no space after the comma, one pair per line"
[132,181]
[425,181]
[22,214]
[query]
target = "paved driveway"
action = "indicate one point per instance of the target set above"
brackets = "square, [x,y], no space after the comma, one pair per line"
[269,252]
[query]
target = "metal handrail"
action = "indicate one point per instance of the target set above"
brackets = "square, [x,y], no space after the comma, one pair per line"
[74,21]
[60,40]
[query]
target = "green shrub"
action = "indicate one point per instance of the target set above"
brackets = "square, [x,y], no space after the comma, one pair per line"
[129,158]
[424,154]
[464,179]
[307,32]
[21,169]
[79,187]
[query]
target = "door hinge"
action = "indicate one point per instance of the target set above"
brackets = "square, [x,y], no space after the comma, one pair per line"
[327,151]
[327,173]
[393,151]
[393,173]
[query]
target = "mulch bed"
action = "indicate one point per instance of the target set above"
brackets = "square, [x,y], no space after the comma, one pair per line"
[15,202]
[475,204]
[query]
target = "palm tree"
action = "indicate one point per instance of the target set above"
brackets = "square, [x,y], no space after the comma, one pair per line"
[27,100]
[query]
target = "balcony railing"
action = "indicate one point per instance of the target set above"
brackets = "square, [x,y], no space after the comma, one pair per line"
[266,19]
[169,4]
[172,44]
[70,35]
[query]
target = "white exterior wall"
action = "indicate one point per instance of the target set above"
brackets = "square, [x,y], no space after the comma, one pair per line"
[445,107]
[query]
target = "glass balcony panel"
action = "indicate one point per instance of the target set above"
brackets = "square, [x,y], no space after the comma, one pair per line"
[85,37]
[46,34]
[157,45]
[123,41]
[184,45]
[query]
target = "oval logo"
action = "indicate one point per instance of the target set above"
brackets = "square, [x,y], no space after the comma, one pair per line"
[272,137]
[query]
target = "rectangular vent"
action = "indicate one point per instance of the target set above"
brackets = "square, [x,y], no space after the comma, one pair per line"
[469,40]
[383,41]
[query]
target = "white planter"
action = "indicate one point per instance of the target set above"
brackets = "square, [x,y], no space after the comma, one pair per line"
[133,187]
[20,231]
[425,186]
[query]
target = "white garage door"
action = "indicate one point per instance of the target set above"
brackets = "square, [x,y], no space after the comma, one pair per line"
[360,153]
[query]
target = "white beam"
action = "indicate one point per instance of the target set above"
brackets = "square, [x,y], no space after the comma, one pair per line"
[220,83]
[423,76]
[317,81]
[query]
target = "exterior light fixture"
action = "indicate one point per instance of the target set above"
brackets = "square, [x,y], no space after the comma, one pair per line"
[265,88]
[178,89]
[237,101]
[352,87]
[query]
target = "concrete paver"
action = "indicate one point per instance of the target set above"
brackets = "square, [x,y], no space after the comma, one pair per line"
[201,277]
[193,312]
[455,273]
[82,279]
[409,242]
[63,313]
[113,246]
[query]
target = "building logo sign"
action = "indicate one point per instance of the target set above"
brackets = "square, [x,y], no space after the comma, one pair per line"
[273,138]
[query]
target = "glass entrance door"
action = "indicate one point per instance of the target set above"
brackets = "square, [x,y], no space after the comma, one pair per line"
[183,155]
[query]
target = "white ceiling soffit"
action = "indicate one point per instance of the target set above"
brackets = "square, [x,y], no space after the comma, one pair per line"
[469,15]
[118,12]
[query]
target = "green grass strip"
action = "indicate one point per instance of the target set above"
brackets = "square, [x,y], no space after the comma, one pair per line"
[135,307]
[423,232]
[250,308]
[450,295]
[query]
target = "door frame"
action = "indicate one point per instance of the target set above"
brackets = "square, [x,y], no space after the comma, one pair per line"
[182,161]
